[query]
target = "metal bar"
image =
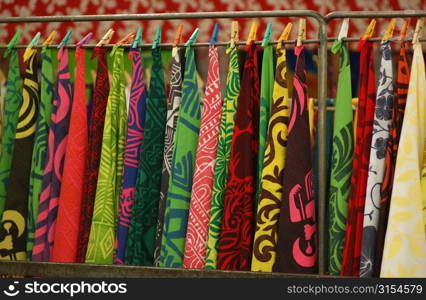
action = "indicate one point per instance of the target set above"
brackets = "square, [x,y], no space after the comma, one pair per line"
[374,14]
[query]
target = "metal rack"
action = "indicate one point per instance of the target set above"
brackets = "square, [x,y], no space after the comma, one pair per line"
[46,269]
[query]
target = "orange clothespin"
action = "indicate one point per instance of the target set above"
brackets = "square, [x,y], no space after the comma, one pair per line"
[404,29]
[179,36]
[252,34]
[389,30]
[284,35]
[106,38]
[419,30]
[370,30]
[50,38]
[127,39]
[301,32]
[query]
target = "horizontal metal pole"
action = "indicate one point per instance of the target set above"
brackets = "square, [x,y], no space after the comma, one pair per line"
[375,14]
[165,16]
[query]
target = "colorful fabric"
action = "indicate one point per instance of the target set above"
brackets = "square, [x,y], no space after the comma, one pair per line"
[71,196]
[135,132]
[96,129]
[199,210]
[175,95]
[12,104]
[180,184]
[40,144]
[376,169]
[52,177]
[16,206]
[404,252]
[141,241]
[366,108]
[268,211]
[398,110]
[226,130]
[236,235]
[102,232]
[342,157]
[297,234]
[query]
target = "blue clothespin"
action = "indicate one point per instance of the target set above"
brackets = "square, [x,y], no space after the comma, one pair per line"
[66,39]
[29,50]
[157,39]
[138,38]
[12,42]
[85,39]
[215,35]
[267,36]
[193,37]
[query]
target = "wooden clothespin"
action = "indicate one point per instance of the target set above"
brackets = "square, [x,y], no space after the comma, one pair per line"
[267,37]
[85,39]
[404,29]
[234,33]
[193,37]
[12,42]
[344,29]
[66,39]
[389,30]
[179,36]
[157,39]
[215,35]
[419,30]
[301,32]
[284,35]
[50,38]
[29,51]
[252,34]
[106,38]
[138,38]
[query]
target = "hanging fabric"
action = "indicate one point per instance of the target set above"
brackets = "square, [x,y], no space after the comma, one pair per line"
[226,130]
[175,95]
[366,107]
[180,184]
[199,211]
[404,253]
[296,245]
[102,232]
[134,137]
[52,177]
[398,110]
[141,240]
[268,211]
[236,235]
[16,204]
[96,129]
[376,168]
[342,156]
[71,196]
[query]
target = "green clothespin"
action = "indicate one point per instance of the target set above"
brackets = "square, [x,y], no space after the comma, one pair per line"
[12,42]
[66,39]
[157,39]
[267,36]
[29,50]
[193,37]
[138,38]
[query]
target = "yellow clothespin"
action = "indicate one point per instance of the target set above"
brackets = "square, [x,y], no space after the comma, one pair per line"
[50,38]
[127,39]
[389,31]
[284,35]
[29,51]
[370,30]
[301,32]
[106,38]
[252,34]
[404,29]
[234,33]
[419,30]
[179,36]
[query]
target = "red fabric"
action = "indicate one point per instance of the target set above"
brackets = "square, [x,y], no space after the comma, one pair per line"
[366,107]
[69,207]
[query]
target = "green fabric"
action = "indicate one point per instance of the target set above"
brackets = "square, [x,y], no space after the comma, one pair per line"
[342,156]
[180,187]
[223,151]
[102,232]
[266,88]
[40,143]
[143,225]
[12,105]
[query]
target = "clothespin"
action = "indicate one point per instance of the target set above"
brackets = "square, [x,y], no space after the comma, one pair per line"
[301,32]
[106,38]
[343,33]
[179,36]
[157,39]
[30,48]
[419,30]
[267,36]
[66,39]
[252,34]
[124,40]
[12,42]
[138,38]
[85,39]
[215,35]
[404,29]
[193,37]
[370,30]
[284,35]
[50,38]
[234,33]
[389,30]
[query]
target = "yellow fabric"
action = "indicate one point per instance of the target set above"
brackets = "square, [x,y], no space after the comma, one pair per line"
[404,252]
